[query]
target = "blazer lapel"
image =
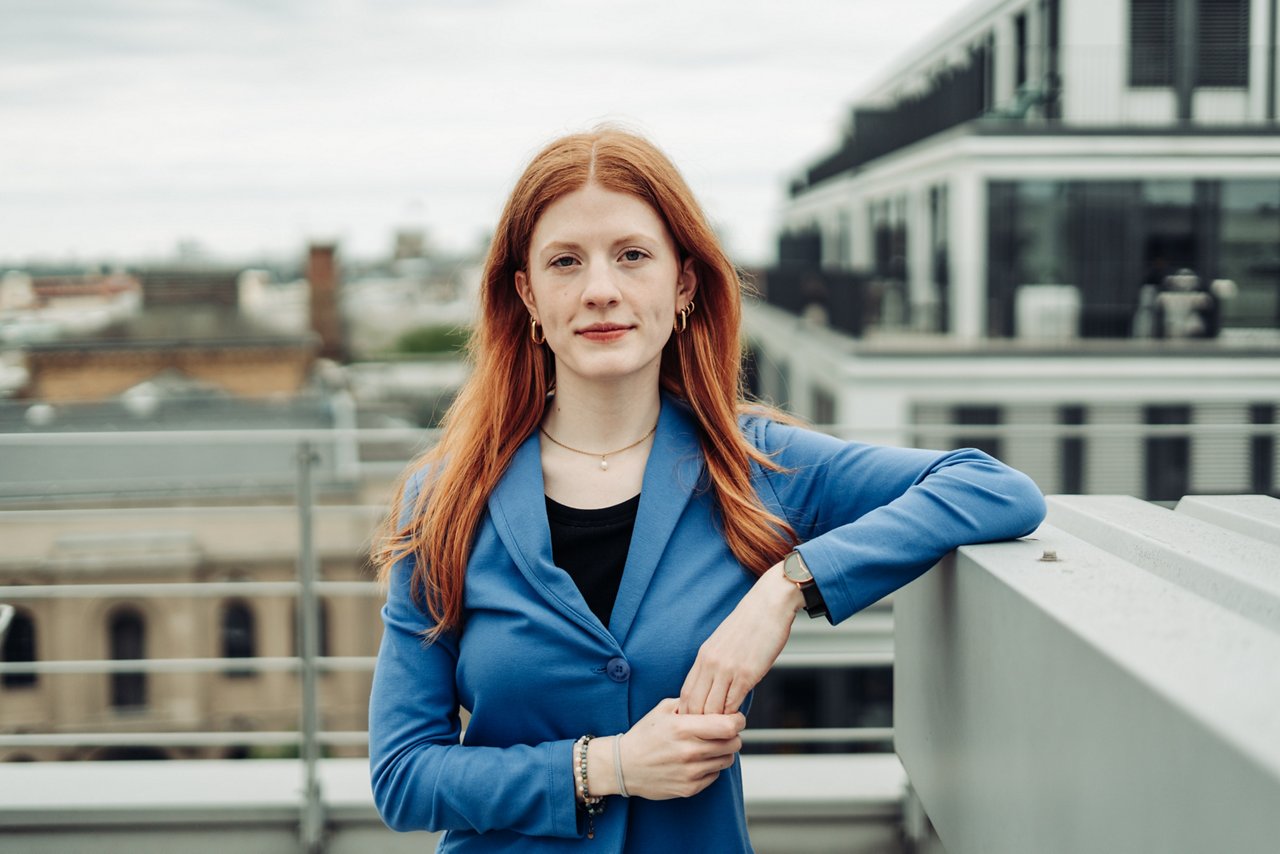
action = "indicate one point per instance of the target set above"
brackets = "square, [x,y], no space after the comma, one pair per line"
[519,514]
[672,473]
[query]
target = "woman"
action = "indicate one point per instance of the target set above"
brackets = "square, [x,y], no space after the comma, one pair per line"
[605,543]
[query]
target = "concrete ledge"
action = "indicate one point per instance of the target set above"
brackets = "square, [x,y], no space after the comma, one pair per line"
[1237,572]
[794,804]
[1123,698]
[1256,516]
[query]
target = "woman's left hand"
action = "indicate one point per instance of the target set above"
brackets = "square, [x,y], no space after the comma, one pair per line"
[742,648]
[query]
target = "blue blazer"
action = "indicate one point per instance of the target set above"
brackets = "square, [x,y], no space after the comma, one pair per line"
[536,669]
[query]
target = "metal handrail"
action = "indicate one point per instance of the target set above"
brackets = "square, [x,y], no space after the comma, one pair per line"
[283,436]
[257,664]
[360,663]
[428,435]
[360,738]
[187,589]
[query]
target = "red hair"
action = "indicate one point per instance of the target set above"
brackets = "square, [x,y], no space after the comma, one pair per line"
[504,399]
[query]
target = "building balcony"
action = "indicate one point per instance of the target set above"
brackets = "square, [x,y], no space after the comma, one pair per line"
[1075,90]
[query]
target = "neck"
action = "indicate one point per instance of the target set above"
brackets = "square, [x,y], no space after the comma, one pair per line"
[599,418]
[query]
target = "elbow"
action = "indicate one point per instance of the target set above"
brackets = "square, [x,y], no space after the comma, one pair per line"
[1019,503]
[393,800]
[1028,504]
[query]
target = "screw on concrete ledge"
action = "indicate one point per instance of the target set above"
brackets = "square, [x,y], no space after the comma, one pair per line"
[1049,556]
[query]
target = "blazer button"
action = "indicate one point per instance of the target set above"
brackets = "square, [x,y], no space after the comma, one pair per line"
[618,669]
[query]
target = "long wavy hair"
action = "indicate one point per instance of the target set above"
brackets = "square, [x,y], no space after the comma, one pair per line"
[504,399]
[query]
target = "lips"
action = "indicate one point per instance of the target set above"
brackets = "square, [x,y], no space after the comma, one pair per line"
[604,331]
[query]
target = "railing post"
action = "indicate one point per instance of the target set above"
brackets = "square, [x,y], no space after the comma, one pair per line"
[312,827]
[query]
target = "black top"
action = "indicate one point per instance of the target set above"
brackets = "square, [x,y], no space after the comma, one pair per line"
[591,545]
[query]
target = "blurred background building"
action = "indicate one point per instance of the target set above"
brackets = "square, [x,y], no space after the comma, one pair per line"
[1054,227]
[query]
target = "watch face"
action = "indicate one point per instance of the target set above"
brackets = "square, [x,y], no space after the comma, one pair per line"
[795,570]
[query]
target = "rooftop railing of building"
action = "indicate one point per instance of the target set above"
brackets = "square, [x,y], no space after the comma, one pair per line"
[1075,89]
[69,555]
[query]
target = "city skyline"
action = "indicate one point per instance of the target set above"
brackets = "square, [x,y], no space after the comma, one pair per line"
[249,129]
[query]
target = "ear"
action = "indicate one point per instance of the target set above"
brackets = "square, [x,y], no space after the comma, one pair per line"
[686,282]
[525,290]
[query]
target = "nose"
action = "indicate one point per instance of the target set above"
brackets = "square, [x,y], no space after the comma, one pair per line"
[601,289]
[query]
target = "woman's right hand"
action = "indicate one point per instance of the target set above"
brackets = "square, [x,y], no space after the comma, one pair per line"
[666,754]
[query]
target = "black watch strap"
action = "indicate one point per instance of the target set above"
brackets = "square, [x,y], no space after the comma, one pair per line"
[814,605]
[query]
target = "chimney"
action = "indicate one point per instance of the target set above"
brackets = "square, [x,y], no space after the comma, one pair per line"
[322,273]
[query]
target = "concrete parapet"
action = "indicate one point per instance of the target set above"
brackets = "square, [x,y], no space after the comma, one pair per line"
[1123,697]
[1256,516]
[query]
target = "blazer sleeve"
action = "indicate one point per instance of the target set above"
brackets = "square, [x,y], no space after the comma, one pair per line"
[872,518]
[423,777]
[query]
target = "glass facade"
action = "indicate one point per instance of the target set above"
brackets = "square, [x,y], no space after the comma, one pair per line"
[1109,239]
[1250,252]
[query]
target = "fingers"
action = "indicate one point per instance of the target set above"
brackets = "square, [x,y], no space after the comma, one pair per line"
[718,694]
[713,728]
[709,686]
[697,685]
[735,697]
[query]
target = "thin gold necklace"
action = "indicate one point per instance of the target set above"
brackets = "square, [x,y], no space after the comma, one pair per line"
[604,461]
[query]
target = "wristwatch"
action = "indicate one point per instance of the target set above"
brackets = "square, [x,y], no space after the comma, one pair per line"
[793,567]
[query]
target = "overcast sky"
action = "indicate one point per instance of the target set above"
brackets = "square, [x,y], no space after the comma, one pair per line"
[251,126]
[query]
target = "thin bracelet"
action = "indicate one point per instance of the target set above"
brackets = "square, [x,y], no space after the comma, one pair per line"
[617,765]
[593,806]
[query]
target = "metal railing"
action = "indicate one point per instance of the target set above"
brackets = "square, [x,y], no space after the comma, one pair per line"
[308,450]
[1071,88]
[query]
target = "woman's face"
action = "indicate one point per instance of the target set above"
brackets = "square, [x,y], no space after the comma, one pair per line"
[605,281]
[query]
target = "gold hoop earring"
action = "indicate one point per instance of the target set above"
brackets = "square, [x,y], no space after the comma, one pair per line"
[535,335]
[681,322]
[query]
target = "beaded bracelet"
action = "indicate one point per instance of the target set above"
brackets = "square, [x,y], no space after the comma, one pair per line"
[593,806]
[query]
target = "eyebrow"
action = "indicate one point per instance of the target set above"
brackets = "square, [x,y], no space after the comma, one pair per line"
[562,245]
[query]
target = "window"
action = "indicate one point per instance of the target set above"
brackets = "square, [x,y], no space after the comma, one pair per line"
[938,234]
[1151,42]
[1073,450]
[127,639]
[1249,232]
[1020,47]
[878,216]
[976,415]
[1262,451]
[20,647]
[1221,42]
[1168,457]
[1222,46]
[239,635]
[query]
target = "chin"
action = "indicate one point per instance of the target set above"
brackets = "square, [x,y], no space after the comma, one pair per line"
[604,370]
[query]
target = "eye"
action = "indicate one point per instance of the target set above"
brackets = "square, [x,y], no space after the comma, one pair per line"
[563,261]
[634,255]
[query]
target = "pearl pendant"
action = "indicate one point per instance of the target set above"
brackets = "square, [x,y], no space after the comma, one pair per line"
[604,464]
